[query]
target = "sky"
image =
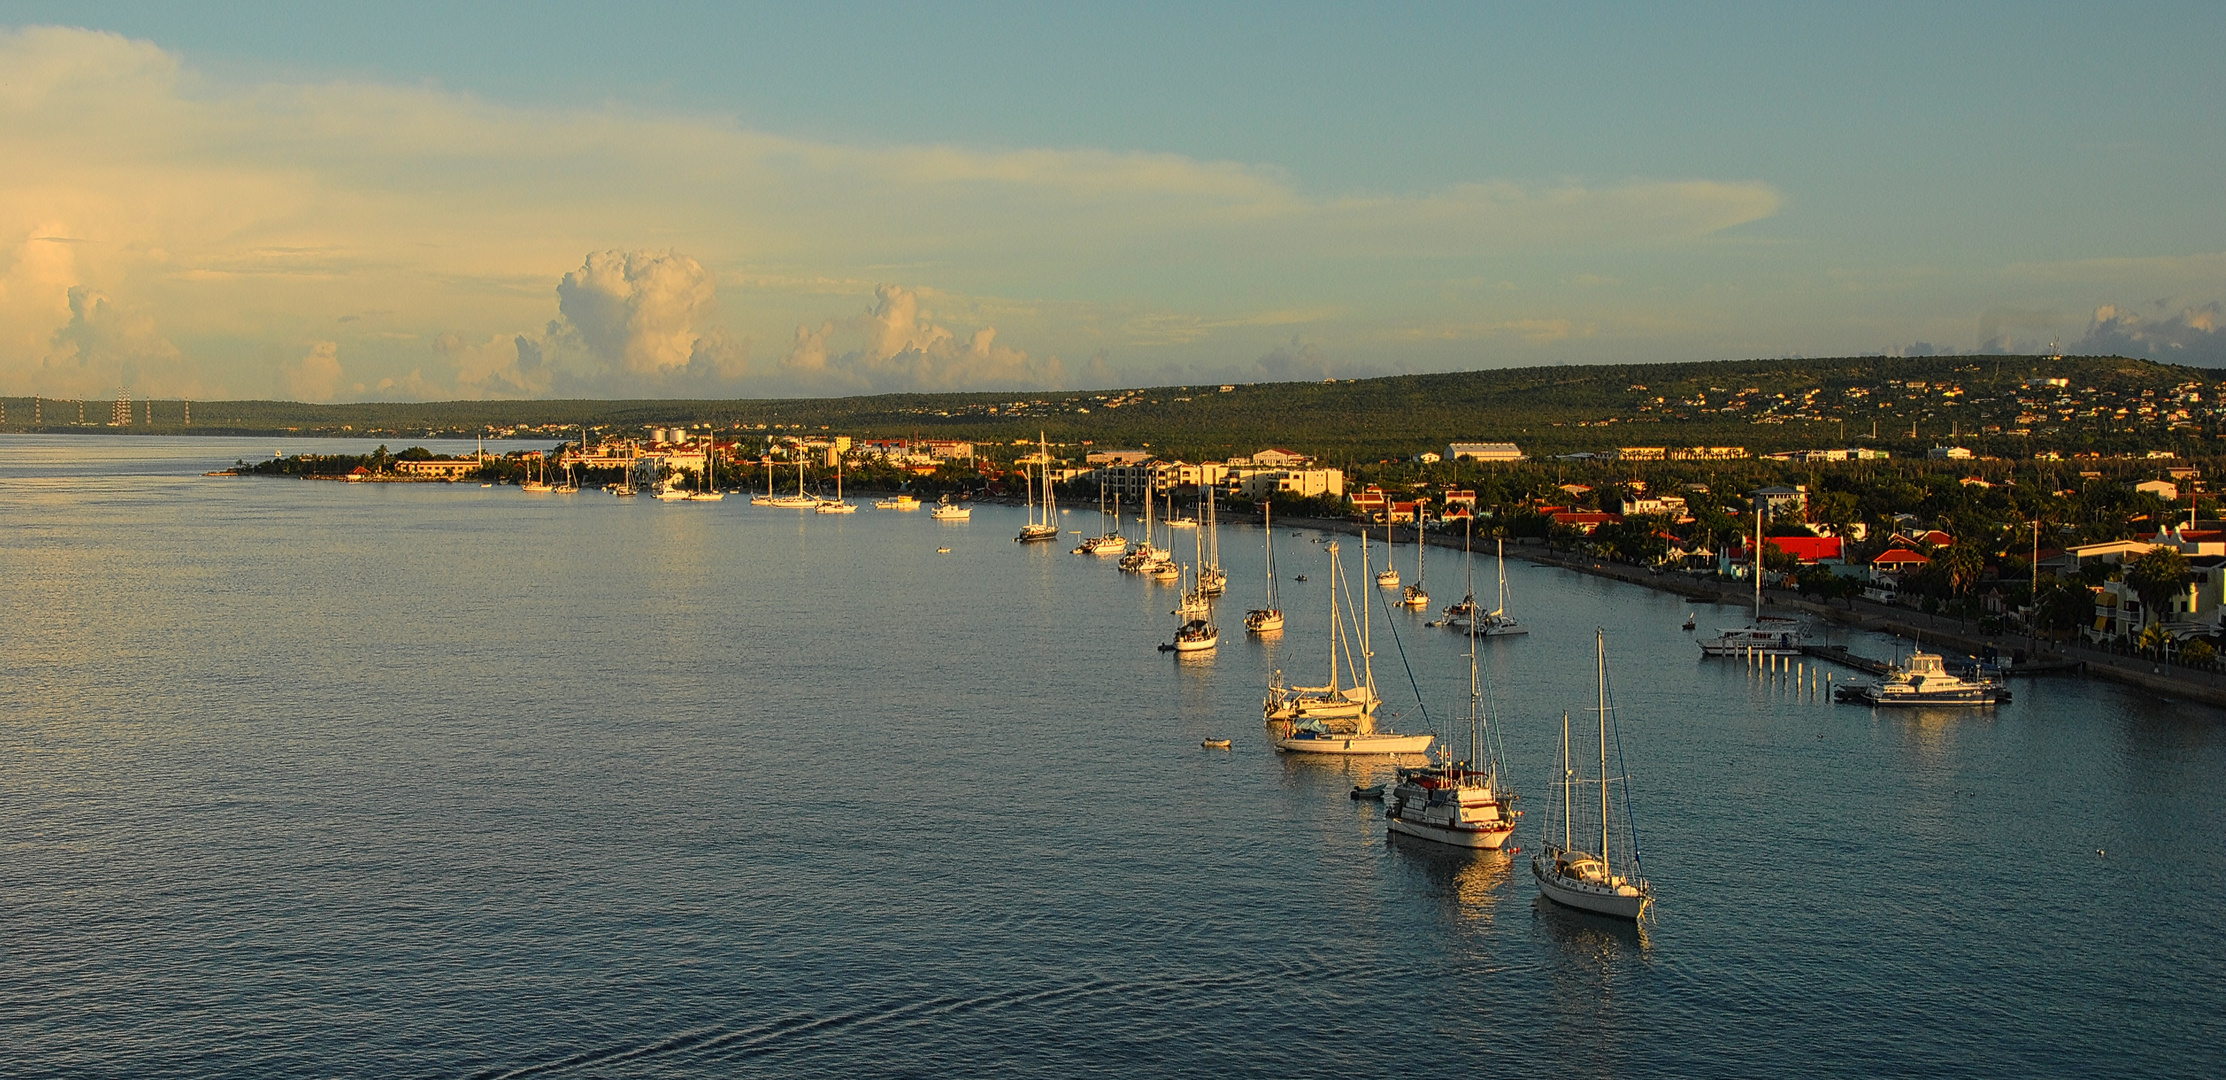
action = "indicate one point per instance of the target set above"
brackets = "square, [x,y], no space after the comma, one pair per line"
[415,201]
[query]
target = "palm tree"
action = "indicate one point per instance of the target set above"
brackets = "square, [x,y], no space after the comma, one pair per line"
[2156,577]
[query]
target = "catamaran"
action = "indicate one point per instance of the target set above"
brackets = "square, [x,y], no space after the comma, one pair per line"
[1587,879]
[1267,620]
[1765,636]
[1046,527]
[1458,802]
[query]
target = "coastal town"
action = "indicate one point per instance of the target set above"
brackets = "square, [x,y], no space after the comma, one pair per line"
[2124,552]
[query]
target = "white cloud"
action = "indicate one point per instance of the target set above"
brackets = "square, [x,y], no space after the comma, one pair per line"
[316,376]
[898,349]
[2190,335]
[104,347]
[244,218]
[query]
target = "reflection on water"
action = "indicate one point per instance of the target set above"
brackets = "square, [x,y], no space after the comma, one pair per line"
[625,787]
[1470,884]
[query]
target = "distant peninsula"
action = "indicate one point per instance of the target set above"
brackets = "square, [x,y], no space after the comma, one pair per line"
[2007,406]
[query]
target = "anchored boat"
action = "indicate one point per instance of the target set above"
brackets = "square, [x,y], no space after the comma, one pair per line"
[1588,880]
[1924,681]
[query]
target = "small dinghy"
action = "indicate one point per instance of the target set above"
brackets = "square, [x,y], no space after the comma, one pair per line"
[1374,792]
[1215,744]
[1689,623]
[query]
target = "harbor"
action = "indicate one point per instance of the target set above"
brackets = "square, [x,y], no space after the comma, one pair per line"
[525,739]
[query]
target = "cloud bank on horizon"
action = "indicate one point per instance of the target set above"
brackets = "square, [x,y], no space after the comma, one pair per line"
[179,236]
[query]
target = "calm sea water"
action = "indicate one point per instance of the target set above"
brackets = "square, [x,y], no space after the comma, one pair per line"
[304,778]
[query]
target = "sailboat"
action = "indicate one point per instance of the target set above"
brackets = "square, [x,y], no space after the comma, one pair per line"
[836,505]
[1110,542]
[1267,620]
[1388,578]
[1414,595]
[539,482]
[1197,635]
[800,500]
[1212,579]
[1349,726]
[767,498]
[708,489]
[1764,636]
[1046,527]
[1457,802]
[1587,879]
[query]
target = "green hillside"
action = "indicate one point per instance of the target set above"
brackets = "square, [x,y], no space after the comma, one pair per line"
[2111,403]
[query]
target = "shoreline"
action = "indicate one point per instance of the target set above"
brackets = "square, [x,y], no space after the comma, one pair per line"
[1914,626]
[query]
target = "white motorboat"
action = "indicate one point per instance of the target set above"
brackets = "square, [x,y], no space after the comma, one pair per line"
[1924,681]
[1458,802]
[1587,879]
[1767,635]
[950,511]
[1269,619]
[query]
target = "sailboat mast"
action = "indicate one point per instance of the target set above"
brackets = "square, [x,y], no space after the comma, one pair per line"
[1600,663]
[1568,793]
[1758,561]
[1268,526]
[1334,633]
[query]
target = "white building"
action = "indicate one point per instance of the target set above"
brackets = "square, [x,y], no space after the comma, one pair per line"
[1482,451]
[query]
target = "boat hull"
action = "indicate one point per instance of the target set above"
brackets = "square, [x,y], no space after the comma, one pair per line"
[1619,903]
[1482,839]
[1263,622]
[1307,743]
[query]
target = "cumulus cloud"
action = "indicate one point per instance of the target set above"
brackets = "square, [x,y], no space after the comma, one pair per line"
[2190,335]
[314,377]
[894,347]
[199,202]
[644,322]
[103,347]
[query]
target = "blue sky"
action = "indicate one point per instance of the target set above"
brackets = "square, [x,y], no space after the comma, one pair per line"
[518,200]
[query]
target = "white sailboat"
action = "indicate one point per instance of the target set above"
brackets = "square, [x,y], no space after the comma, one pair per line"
[1389,577]
[1458,802]
[1047,526]
[1267,620]
[1765,635]
[1212,579]
[1415,596]
[800,500]
[709,491]
[1583,879]
[767,498]
[837,505]
[1111,541]
[1197,635]
[1332,719]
